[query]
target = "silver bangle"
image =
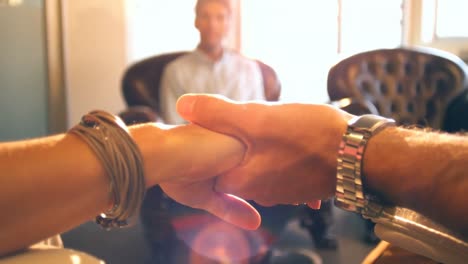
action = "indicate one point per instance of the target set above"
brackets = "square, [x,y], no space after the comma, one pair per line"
[108,137]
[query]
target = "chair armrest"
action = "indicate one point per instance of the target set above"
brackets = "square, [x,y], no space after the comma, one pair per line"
[139,114]
[356,106]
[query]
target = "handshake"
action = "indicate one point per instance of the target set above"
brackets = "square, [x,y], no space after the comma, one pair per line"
[231,152]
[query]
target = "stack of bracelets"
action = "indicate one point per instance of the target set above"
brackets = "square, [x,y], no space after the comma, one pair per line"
[108,137]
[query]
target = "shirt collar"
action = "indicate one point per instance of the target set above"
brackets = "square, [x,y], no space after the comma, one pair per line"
[203,57]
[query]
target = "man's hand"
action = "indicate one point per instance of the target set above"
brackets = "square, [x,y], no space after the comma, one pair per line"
[291,148]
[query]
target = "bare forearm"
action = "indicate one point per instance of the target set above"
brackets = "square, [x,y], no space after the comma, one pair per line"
[51,185]
[422,171]
[48,186]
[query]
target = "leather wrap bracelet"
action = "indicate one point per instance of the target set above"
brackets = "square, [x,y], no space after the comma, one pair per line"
[109,138]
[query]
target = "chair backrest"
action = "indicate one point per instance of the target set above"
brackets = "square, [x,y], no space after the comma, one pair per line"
[140,83]
[414,86]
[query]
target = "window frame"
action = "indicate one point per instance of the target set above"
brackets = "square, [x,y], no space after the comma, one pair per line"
[415,26]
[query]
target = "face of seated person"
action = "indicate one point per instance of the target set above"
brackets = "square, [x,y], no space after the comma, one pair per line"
[212,21]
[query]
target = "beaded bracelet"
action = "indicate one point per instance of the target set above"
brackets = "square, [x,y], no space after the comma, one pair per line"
[109,138]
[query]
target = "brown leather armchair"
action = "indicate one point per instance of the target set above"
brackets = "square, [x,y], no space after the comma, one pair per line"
[414,86]
[140,86]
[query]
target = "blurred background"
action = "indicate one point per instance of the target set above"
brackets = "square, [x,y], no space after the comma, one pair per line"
[61,58]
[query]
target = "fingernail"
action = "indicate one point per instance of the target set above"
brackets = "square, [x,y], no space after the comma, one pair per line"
[185,105]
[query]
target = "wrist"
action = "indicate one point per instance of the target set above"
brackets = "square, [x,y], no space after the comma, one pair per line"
[151,141]
[379,178]
[340,126]
[329,128]
[184,153]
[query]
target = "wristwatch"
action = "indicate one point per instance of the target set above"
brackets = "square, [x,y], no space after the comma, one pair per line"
[399,226]
[350,192]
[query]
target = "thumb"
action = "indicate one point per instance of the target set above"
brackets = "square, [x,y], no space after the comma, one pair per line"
[214,112]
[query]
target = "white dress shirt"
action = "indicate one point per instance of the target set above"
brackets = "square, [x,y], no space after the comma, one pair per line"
[233,76]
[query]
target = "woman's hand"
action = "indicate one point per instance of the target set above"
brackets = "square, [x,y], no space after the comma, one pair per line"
[186,161]
[291,148]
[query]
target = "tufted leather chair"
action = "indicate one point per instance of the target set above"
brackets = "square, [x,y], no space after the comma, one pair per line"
[140,86]
[414,86]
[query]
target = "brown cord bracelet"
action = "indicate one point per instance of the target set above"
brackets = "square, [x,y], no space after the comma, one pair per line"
[109,138]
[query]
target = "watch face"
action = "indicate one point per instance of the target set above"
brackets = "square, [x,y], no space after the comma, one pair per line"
[370,123]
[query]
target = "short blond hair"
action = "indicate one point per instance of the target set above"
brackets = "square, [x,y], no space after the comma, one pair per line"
[200,3]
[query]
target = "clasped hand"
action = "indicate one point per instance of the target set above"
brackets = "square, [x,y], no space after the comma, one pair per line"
[285,154]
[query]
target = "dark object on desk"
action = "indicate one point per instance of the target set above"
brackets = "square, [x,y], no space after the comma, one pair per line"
[420,87]
[138,115]
[456,117]
[318,224]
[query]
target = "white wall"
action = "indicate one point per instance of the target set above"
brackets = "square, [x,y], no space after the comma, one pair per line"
[157,26]
[23,73]
[95,55]
[298,40]
[103,37]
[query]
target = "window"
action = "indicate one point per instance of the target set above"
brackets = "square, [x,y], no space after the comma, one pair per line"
[450,14]
[439,24]
[444,19]
[370,24]
[302,39]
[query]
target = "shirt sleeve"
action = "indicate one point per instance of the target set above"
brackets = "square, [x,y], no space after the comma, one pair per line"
[258,91]
[170,91]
